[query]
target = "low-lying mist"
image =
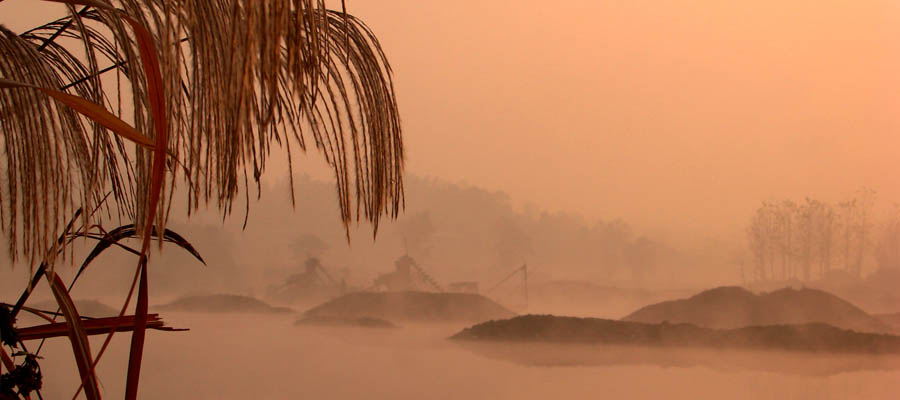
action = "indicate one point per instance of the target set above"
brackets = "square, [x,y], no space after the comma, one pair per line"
[232,356]
[462,238]
[455,232]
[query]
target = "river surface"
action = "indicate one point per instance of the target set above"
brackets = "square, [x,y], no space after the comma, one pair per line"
[240,356]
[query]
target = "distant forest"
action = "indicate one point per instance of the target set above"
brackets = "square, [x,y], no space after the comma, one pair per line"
[454,231]
[458,232]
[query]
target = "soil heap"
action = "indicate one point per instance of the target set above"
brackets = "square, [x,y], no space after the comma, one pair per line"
[735,307]
[413,306]
[813,337]
[223,303]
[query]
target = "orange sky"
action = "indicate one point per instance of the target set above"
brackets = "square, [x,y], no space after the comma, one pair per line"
[667,113]
[674,115]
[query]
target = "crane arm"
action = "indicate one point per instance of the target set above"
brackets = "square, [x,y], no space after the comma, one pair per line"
[508,277]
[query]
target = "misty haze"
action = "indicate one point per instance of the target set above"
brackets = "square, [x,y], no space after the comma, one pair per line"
[622,199]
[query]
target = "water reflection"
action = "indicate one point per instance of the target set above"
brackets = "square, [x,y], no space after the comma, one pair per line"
[239,356]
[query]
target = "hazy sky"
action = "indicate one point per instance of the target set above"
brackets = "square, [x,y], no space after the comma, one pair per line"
[670,114]
[663,112]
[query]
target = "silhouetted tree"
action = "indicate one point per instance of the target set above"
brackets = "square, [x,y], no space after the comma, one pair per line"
[418,232]
[814,233]
[887,248]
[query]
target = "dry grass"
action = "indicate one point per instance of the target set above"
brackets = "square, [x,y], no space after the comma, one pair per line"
[238,78]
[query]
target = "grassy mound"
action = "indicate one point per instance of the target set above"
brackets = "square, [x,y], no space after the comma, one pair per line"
[735,307]
[813,337]
[360,322]
[412,306]
[222,303]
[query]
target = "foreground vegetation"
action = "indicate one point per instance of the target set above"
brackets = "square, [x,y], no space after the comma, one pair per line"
[203,92]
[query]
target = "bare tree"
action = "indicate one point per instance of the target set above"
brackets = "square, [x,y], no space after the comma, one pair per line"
[806,225]
[854,227]
[887,248]
[761,238]
[784,228]
[863,228]
[825,228]
[814,233]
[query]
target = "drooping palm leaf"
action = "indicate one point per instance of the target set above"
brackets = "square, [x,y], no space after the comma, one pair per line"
[48,165]
[93,111]
[81,348]
[126,232]
[240,76]
[40,270]
[156,97]
[114,236]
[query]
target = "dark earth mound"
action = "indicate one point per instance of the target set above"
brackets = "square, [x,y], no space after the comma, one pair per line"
[361,322]
[222,303]
[813,337]
[735,307]
[727,360]
[413,306]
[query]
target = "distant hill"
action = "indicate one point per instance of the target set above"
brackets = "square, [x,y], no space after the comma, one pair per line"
[222,303]
[813,337]
[735,307]
[413,306]
[86,308]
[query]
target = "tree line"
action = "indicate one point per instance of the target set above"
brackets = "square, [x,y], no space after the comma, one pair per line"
[813,239]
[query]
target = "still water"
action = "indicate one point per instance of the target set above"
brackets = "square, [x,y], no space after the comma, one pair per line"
[239,356]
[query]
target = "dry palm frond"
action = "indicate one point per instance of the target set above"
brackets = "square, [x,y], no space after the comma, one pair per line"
[81,347]
[49,166]
[239,76]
